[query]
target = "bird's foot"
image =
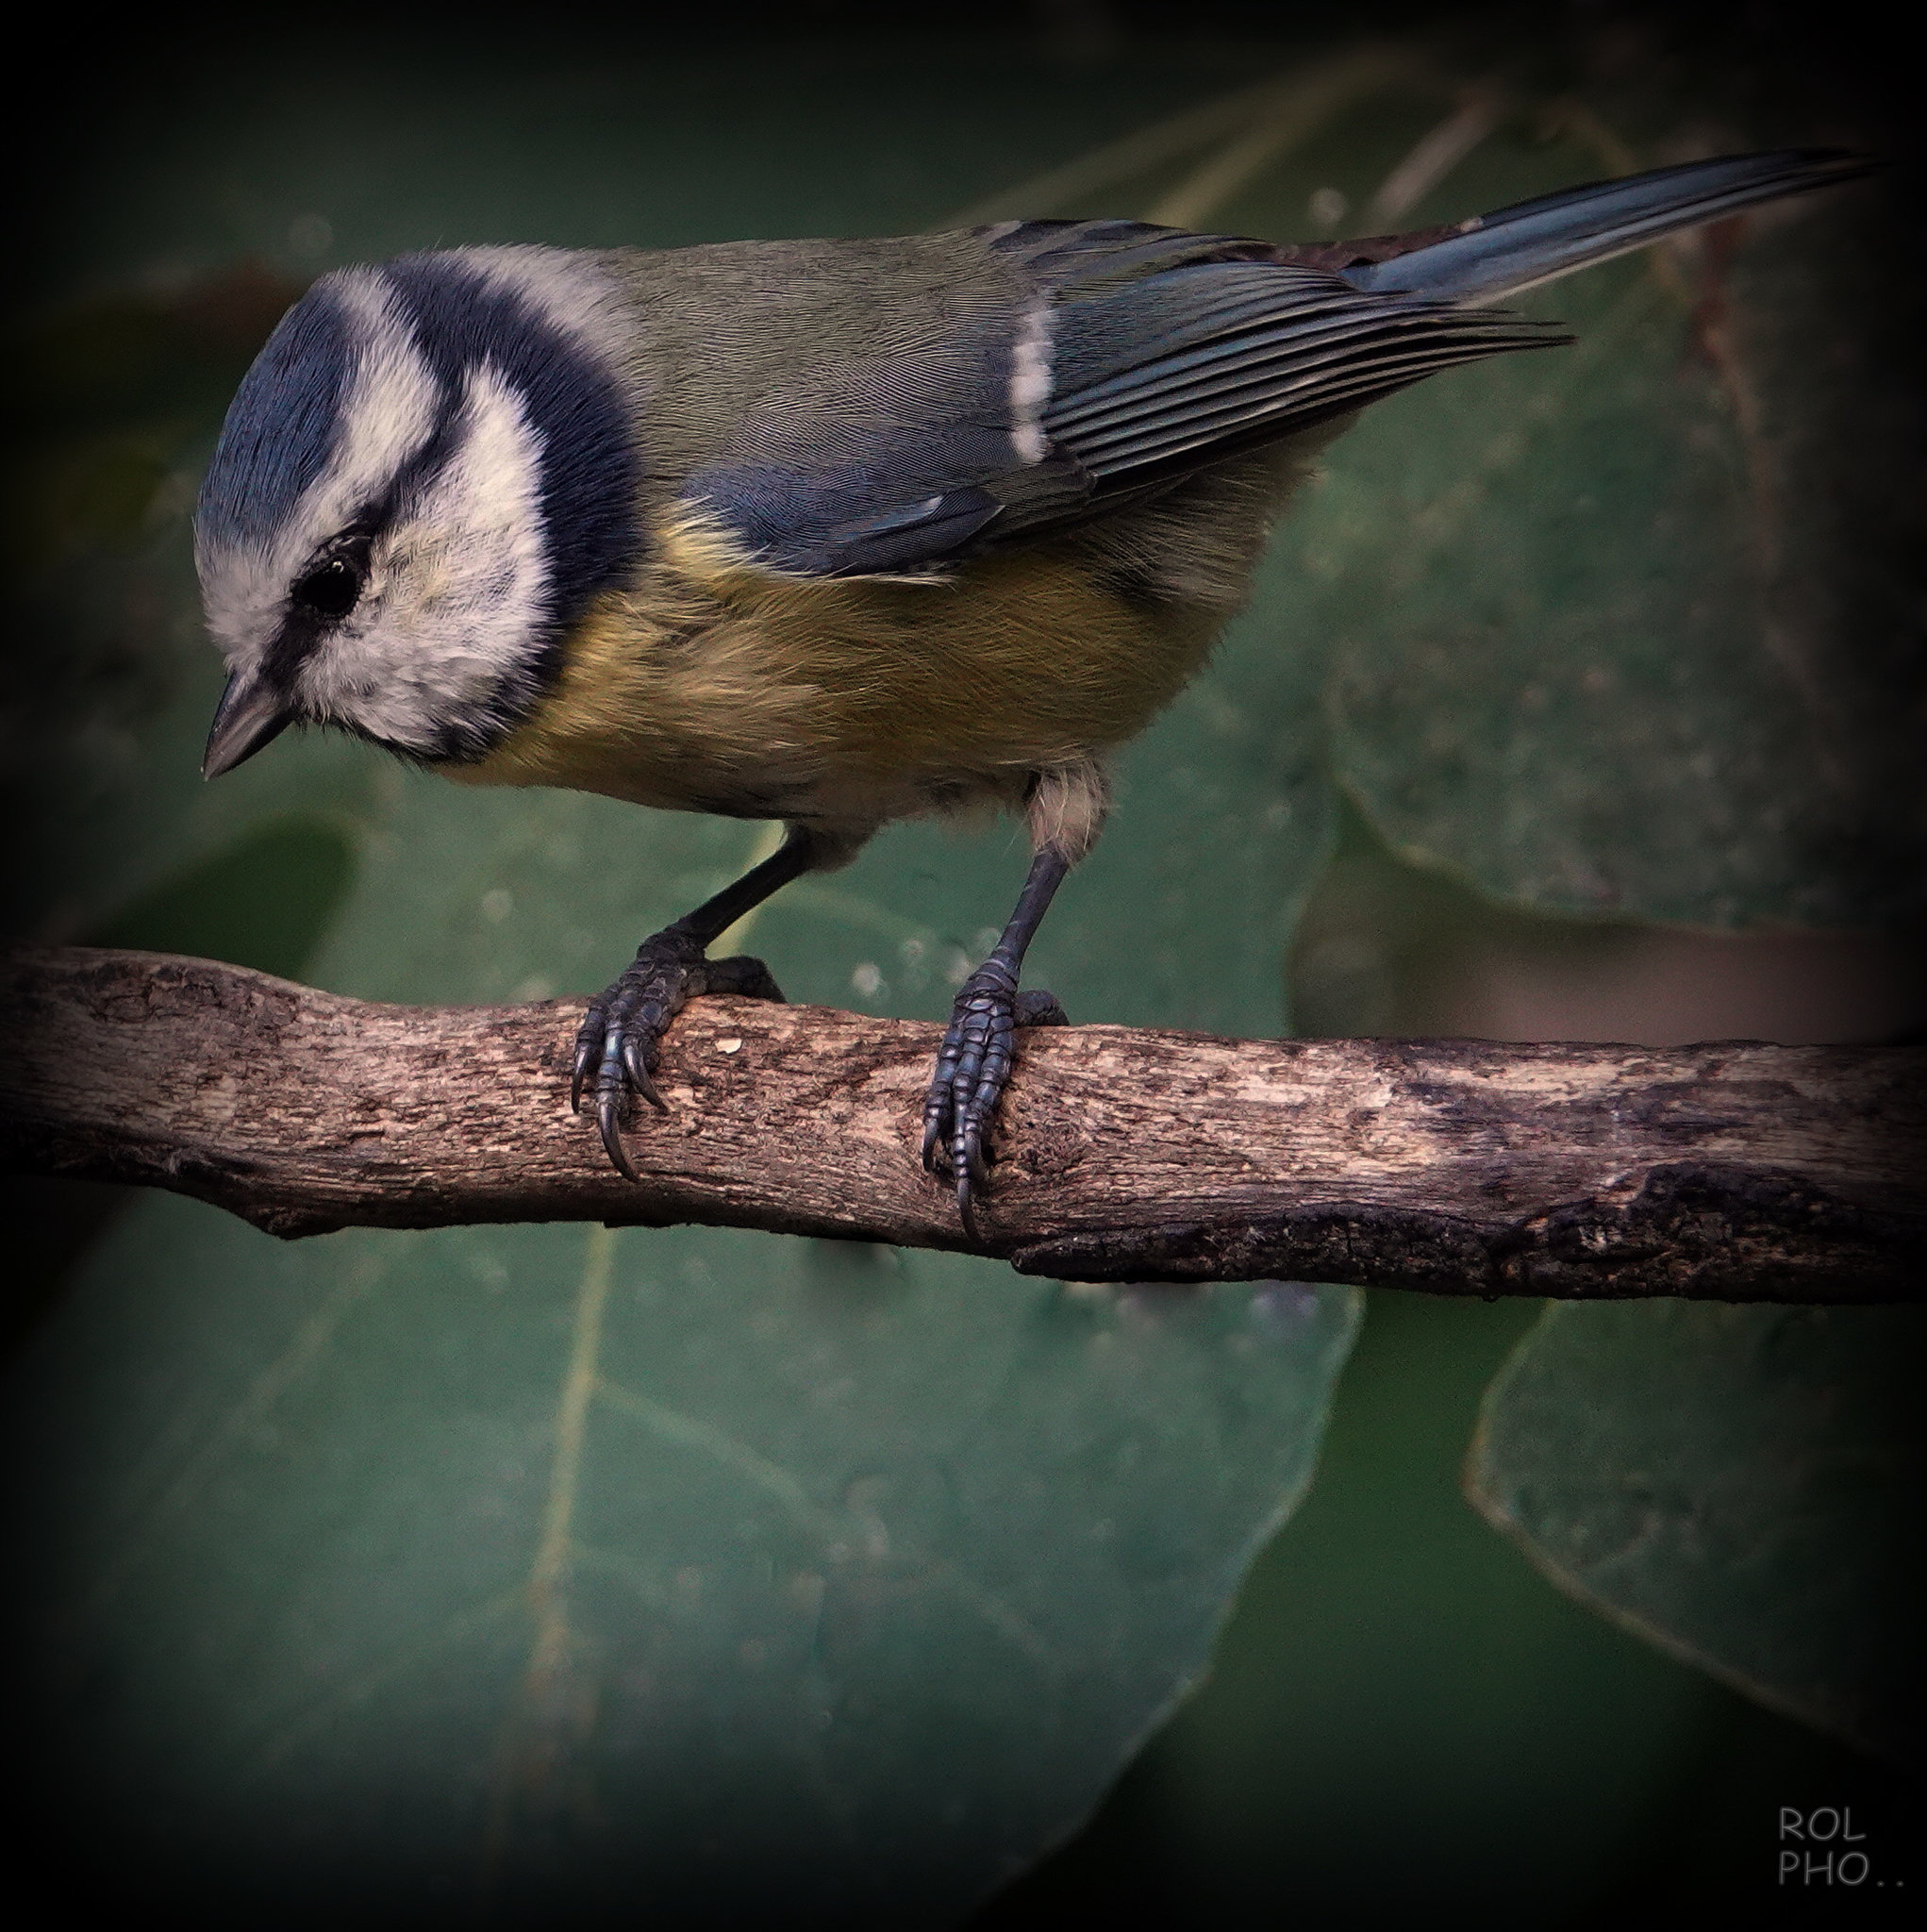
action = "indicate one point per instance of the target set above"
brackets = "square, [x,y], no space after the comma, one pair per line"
[620,1040]
[973,1070]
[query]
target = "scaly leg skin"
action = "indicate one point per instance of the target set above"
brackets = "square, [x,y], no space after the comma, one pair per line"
[974,1063]
[619,1041]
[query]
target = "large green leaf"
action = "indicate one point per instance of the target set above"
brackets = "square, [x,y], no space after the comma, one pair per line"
[1739,1485]
[1642,626]
[707,1570]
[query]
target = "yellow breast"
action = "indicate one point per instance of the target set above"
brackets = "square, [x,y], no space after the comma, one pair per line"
[719,686]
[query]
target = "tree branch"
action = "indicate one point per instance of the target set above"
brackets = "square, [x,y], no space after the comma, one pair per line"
[1735,1171]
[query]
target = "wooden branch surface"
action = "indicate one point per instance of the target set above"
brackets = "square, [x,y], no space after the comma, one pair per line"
[1735,1170]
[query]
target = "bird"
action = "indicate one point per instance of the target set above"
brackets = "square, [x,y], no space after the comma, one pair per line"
[834,533]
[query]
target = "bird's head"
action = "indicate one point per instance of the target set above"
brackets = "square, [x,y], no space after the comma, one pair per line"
[426,476]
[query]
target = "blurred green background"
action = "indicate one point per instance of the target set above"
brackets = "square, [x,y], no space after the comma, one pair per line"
[1512,744]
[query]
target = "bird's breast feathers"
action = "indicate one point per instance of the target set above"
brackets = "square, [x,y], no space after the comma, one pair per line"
[717,684]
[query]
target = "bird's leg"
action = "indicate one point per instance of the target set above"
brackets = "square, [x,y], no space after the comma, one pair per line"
[974,1063]
[620,1040]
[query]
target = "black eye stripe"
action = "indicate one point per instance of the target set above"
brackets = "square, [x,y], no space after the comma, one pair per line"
[323,592]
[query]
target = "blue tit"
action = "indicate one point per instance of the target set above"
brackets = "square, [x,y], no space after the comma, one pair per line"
[833,532]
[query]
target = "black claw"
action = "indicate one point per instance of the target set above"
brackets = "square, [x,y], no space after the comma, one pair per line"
[589,1036]
[974,1062]
[608,1119]
[973,1070]
[634,1051]
[616,1045]
[973,1166]
[964,1212]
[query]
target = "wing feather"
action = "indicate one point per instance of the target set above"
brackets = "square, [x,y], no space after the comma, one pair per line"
[1166,351]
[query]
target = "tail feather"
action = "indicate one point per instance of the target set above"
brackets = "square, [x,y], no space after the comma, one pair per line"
[1498,255]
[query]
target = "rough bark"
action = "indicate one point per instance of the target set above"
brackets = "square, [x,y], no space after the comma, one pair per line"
[1734,1169]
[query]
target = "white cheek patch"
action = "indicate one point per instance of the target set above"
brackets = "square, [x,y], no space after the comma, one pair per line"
[458,586]
[1030,384]
[387,415]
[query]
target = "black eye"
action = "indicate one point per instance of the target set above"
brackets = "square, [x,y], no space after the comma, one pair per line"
[330,588]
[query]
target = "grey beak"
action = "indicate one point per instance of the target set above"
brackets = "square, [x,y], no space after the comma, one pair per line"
[248,716]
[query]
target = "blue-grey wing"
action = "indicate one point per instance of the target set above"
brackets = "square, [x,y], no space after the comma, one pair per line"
[890,462]
[1101,359]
